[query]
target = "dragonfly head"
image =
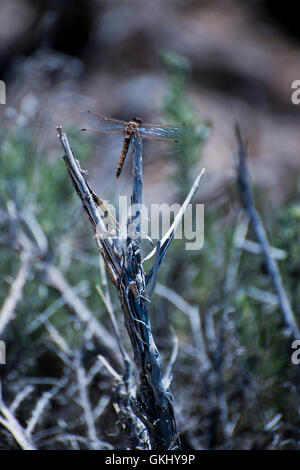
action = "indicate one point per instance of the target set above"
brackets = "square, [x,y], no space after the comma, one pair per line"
[136,120]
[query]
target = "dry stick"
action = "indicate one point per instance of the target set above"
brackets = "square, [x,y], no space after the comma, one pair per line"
[168,372]
[108,304]
[107,247]
[83,381]
[155,271]
[254,248]
[86,404]
[121,401]
[8,420]
[229,287]
[258,228]
[239,236]
[13,426]
[169,235]
[21,397]
[55,278]
[262,296]
[115,375]
[57,338]
[40,407]
[153,403]
[193,315]
[122,385]
[16,291]
[43,317]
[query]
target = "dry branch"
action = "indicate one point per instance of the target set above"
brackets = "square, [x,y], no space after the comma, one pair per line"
[55,278]
[261,236]
[152,402]
[8,420]
[16,291]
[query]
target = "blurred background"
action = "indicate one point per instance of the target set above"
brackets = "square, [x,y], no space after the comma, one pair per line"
[209,63]
[58,59]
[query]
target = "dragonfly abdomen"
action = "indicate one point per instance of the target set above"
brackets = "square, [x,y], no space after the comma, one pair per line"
[125,148]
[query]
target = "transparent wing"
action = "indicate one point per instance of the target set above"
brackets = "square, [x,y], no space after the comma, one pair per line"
[106,131]
[172,131]
[102,123]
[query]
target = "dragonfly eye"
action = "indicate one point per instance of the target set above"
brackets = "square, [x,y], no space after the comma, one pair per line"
[137,120]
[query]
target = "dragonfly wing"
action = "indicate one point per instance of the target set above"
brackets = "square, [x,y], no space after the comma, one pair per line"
[106,131]
[169,132]
[102,123]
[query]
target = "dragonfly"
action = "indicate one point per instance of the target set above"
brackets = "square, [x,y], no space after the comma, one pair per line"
[134,127]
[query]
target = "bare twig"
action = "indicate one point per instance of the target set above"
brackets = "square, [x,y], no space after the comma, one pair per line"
[40,407]
[108,304]
[57,338]
[256,249]
[44,316]
[155,271]
[27,390]
[261,236]
[168,372]
[8,420]
[55,278]
[101,406]
[85,403]
[168,237]
[16,291]
[110,369]
[194,319]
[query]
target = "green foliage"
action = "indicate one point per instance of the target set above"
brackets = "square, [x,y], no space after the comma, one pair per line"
[287,237]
